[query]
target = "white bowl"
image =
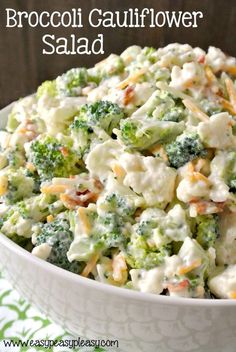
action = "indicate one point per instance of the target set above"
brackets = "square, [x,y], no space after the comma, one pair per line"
[140,322]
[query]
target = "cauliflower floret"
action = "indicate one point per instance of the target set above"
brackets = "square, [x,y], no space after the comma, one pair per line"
[218,60]
[192,73]
[192,251]
[102,157]
[223,284]
[219,190]
[174,227]
[42,251]
[226,244]
[113,187]
[141,92]
[187,190]
[150,281]
[150,177]
[178,54]
[57,113]
[130,53]
[147,176]
[217,132]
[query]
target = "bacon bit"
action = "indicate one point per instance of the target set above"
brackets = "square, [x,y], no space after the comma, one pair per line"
[64,151]
[158,149]
[195,110]
[179,286]
[131,79]
[194,200]
[71,201]
[98,184]
[201,207]
[90,265]
[54,189]
[187,268]
[50,218]
[118,170]
[3,185]
[128,95]
[68,201]
[84,219]
[204,207]
[201,59]
[86,197]
[72,177]
[231,92]
[30,166]
[119,268]
[232,295]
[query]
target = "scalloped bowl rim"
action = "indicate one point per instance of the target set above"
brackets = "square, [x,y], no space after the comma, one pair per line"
[106,288]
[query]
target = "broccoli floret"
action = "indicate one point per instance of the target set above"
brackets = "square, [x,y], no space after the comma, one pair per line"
[141,135]
[57,234]
[141,256]
[129,130]
[187,147]
[110,232]
[102,114]
[150,54]
[82,133]
[207,230]
[19,219]
[21,241]
[19,186]
[52,159]
[107,232]
[71,83]
[68,84]
[175,114]
[15,158]
[118,204]
[210,107]
[35,176]
[154,122]
[47,88]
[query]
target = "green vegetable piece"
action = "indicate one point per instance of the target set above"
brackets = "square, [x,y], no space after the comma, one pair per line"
[187,147]
[207,230]
[47,88]
[141,135]
[52,159]
[141,256]
[57,234]
[19,187]
[101,114]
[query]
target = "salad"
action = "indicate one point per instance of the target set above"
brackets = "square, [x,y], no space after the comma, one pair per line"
[125,173]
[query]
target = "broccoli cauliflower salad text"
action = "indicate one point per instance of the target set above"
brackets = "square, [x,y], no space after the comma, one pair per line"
[125,173]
